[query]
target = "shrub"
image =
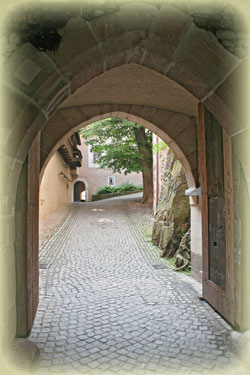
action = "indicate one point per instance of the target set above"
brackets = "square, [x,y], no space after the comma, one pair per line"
[129,187]
[120,188]
[105,190]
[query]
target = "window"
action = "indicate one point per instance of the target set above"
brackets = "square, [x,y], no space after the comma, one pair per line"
[96,156]
[111,181]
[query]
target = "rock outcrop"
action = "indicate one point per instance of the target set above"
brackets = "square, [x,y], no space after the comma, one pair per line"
[172,219]
[182,258]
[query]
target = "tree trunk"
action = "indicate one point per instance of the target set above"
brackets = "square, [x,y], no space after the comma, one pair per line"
[147,178]
[145,149]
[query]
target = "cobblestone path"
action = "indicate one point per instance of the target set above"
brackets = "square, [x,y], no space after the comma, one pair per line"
[105,309]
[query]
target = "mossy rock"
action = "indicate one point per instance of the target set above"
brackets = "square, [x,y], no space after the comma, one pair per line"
[172,219]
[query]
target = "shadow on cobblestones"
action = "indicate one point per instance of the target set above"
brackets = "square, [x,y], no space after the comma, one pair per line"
[105,309]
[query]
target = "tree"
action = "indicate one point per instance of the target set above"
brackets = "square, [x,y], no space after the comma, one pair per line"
[124,146]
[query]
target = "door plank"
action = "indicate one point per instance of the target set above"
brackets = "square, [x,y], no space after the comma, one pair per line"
[33,230]
[228,172]
[203,183]
[220,181]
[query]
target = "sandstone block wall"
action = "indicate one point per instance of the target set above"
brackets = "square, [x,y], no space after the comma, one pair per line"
[202,62]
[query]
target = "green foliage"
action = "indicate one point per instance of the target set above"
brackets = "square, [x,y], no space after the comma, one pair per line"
[105,190]
[180,235]
[159,146]
[120,188]
[115,139]
[169,262]
[128,187]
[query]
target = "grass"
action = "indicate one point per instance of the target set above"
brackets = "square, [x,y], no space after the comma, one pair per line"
[169,262]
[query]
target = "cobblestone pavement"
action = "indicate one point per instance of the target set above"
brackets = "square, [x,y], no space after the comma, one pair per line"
[49,226]
[104,308]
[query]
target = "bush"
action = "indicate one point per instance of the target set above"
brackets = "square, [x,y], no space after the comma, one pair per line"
[128,187]
[105,190]
[120,188]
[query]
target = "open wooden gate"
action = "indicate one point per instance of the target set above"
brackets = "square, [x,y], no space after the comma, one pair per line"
[33,231]
[215,169]
[27,241]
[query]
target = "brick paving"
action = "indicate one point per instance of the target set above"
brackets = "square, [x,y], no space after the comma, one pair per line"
[104,308]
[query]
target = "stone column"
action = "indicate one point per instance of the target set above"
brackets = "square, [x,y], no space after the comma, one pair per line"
[196,237]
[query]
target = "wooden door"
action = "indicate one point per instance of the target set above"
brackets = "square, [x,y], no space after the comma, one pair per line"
[215,170]
[27,244]
[33,232]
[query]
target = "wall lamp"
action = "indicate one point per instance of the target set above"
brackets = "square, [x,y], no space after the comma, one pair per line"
[62,175]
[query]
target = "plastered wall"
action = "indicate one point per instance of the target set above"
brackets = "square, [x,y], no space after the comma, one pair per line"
[196,237]
[54,190]
[96,177]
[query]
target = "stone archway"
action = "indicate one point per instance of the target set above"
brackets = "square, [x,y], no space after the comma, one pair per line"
[163,39]
[188,124]
[172,118]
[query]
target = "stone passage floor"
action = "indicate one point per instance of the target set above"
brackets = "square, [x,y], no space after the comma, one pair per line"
[104,308]
[52,224]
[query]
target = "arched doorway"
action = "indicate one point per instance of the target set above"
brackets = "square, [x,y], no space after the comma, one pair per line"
[183,155]
[153,57]
[80,191]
